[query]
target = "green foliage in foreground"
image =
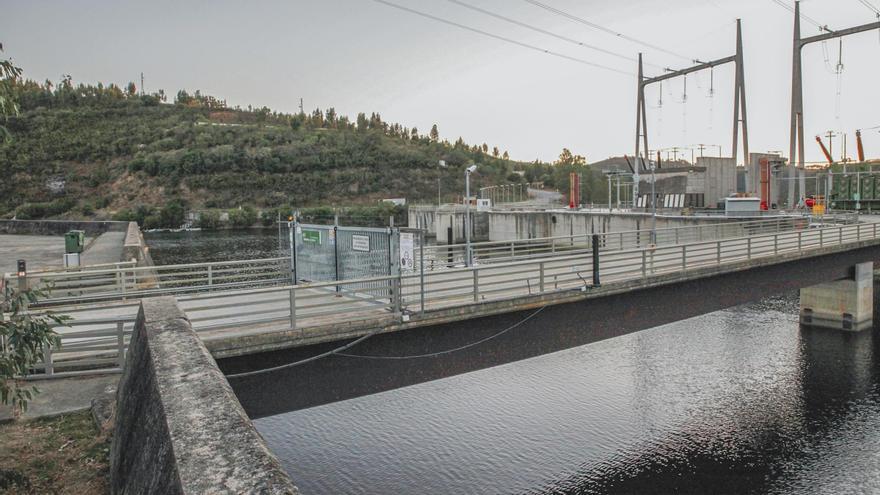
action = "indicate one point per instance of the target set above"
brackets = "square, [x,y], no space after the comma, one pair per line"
[25,336]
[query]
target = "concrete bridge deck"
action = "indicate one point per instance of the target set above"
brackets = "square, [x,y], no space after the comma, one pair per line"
[254,320]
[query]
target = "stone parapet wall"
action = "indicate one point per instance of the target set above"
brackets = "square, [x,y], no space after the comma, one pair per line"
[179,427]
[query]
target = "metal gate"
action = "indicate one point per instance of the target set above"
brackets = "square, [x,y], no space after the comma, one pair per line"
[328,252]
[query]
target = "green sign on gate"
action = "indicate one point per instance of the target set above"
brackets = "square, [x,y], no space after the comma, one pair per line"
[313,236]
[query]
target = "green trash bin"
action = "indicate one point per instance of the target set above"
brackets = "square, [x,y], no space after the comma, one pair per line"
[74,241]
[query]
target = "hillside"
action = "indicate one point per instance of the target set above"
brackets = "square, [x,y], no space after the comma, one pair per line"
[101,151]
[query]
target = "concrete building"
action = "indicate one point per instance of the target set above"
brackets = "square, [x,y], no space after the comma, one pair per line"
[511,225]
[720,180]
[688,181]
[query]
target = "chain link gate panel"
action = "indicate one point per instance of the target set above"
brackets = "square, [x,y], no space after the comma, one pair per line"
[326,253]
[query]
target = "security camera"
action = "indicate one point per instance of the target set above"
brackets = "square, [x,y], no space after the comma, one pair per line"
[472,169]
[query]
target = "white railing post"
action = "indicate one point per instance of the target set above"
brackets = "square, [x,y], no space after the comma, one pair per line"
[293,308]
[476,285]
[541,276]
[49,366]
[644,263]
[210,275]
[120,343]
[718,252]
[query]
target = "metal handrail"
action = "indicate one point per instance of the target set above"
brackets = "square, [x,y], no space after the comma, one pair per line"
[308,305]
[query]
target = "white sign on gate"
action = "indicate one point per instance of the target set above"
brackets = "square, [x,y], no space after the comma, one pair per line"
[407,258]
[360,243]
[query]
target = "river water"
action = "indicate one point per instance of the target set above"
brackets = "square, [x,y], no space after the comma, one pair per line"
[171,248]
[737,401]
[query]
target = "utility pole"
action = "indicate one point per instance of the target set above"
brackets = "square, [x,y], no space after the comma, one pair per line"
[702,147]
[739,114]
[142,84]
[301,111]
[830,135]
[796,149]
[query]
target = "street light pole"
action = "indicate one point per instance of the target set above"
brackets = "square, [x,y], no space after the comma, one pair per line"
[467,214]
[653,205]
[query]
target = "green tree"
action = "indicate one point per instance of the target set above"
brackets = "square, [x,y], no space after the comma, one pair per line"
[9,74]
[26,335]
[172,215]
[208,220]
[435,134]
[567,158]
[243,217]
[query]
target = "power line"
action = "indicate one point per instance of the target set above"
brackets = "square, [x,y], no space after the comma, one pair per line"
[786,6]
[502,38]
[868,4]
[548,33]
[607,30]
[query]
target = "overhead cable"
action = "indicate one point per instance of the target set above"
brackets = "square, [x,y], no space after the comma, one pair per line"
[786,6]
[549,33]
[604,29]
[502,38]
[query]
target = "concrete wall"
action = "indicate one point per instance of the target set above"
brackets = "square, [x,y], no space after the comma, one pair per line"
[59,227]
[511,225]
[422,216]
[179,427]
[720,179]
[455,218]
[135,247]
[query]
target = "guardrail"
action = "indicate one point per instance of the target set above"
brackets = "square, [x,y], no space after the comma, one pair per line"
[300,307]
[88,347]
[125,282]
[132,282]
[391,299]
[498,251]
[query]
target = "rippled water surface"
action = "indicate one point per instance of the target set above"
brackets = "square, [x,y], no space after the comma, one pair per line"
[737,401]
[169,248]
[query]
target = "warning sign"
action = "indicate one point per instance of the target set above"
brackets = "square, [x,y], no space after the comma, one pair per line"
[407,259]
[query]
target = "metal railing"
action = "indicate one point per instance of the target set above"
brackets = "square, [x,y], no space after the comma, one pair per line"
[300,307]
[126,282]
[134,282]
[88,347]
[336,305]
[440,255]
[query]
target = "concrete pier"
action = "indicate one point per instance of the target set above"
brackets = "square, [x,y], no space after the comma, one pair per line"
[841,304]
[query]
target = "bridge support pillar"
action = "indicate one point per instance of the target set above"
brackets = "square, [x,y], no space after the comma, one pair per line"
[841,304]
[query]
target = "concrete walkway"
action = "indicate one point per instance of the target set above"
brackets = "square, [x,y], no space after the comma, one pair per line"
[62,396]
[47,251]
[107,248]
[40,251]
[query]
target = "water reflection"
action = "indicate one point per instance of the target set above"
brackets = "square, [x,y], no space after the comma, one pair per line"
[737,401]
[170,248]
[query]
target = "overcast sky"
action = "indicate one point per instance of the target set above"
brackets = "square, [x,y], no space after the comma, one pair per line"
[362,55]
